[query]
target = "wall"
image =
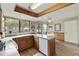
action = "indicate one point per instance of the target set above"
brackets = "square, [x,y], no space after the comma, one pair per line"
[71,28]
[1,23]
[53,26]
[63,28]
[0,20]
[78,29]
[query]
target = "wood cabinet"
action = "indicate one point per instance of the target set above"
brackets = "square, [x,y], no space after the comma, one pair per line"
[24,42]
[36,42]
[59,36]
[51,47]
[44,45]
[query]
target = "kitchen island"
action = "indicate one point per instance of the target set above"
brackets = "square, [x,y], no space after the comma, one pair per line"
[44,43]
[47,45]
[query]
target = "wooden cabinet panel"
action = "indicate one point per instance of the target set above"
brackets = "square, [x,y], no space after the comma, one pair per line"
[36,42]
[24,42]
[51,47]
[59,36]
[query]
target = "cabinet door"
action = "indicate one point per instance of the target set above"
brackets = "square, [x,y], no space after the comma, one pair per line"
[43,46]
[24,42]
[36,43]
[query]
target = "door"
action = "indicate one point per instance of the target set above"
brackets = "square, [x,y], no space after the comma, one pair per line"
[70,28]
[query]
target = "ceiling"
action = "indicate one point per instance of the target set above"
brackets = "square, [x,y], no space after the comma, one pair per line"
[8,10]
[62,14]
[38,9]
[41,9]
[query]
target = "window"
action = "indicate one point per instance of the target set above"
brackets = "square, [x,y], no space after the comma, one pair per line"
[24,26]
[38,27]
[44,28]
[32,27]
[11,26]
[41,28]
[16,26]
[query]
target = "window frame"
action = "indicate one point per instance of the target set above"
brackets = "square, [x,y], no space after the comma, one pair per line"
[19,21]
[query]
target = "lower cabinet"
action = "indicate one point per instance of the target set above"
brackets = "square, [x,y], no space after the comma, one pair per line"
[24,42]
[36,42]
[47,47]
[43,45]
[59,36]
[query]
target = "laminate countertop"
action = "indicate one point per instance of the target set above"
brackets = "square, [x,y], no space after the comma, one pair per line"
[48,36]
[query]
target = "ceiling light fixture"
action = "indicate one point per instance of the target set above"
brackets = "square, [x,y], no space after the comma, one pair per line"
[49,20]
[35,5]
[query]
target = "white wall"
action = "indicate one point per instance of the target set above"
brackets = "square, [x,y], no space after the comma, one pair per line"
[2,23]
[71,30]
[63,27]
[53,26]
[78,29]
[0,19]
